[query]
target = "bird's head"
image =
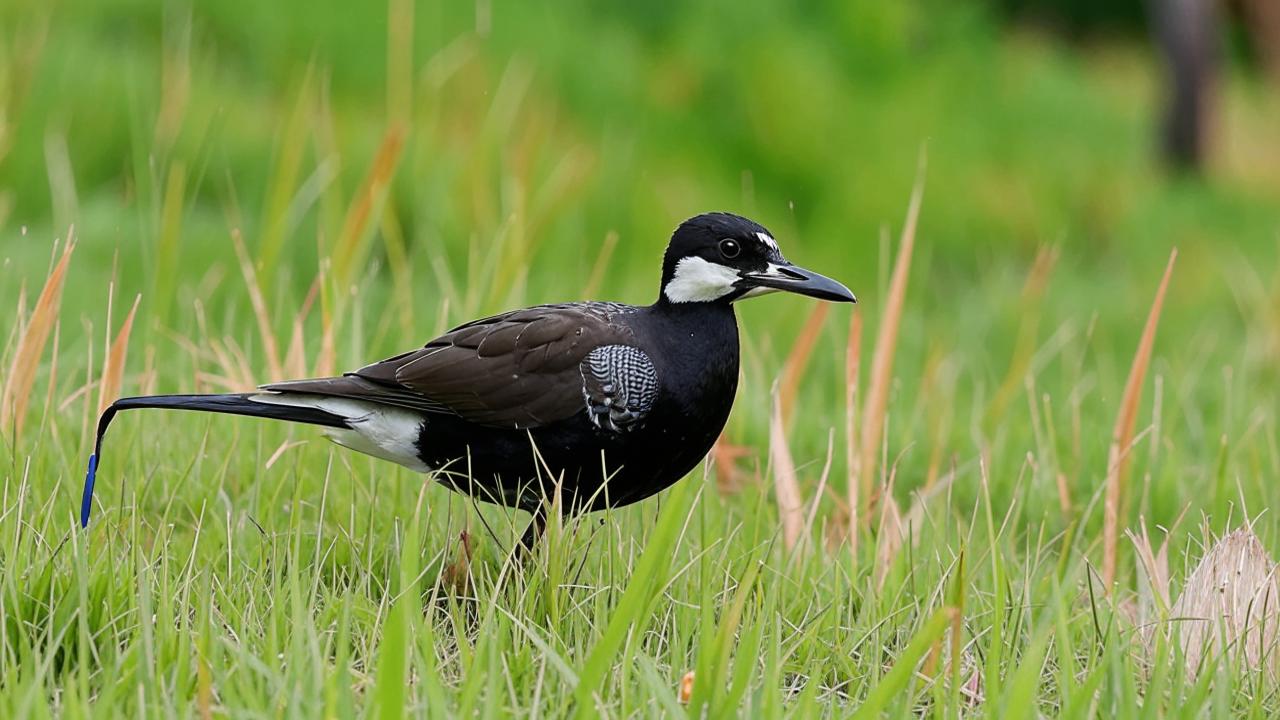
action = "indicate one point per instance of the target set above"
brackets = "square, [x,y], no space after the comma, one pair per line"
[719,257]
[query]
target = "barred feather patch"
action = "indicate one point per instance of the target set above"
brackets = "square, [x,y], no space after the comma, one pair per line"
[619,384]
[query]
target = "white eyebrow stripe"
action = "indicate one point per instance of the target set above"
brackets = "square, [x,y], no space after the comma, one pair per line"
[767,240]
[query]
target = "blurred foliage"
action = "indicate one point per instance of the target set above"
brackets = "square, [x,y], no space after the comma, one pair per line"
[1081,15]
[808,115]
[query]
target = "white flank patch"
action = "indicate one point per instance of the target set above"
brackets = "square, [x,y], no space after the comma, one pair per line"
[768,241]
[382,431]
[698,280]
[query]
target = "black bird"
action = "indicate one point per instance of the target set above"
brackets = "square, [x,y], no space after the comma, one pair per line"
[611,403]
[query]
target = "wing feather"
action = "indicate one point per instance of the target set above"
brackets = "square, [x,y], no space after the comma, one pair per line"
[519,369]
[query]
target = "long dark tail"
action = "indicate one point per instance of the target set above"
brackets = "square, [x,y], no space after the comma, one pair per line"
[233,404]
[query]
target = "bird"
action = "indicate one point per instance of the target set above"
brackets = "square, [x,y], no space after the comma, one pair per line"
[600,404]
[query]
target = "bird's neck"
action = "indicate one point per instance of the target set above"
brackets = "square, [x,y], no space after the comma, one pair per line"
[698,359]
[698,327]
[694,312]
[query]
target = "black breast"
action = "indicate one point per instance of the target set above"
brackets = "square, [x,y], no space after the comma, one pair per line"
[694,350]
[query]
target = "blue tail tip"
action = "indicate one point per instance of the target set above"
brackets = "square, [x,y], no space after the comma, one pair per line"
[86,500]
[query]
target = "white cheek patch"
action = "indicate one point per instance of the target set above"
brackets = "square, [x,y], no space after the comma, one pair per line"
[768,241]
[699,280]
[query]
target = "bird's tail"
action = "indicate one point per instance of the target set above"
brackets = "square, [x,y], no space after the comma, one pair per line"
[232,404]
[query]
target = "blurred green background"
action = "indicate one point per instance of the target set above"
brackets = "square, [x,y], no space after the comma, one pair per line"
[585,118]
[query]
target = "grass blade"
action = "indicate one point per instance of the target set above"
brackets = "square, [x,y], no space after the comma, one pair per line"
[389,691]
[259,305]
[873,413]
[786,485]
[798,360]
[1024,348]
[1122,435]
[852,370]
[113,367]
[353,241]
[628,617]
[895,682]
[170,242]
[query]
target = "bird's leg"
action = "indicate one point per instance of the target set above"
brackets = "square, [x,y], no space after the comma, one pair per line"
[529,540]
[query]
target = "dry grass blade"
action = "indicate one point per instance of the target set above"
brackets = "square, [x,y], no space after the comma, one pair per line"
[26,358]
[798,360]
[1122,435]
[822,484]
[327,360]
[353,241]
[852,370]
[1064,493]
[873,413]
[113,367]
[295,359]
[889,537]
[725,455]
[295,363]
[457,574]
[259,307]
[1153,594]
[786,485]
[1229,603]
[685,691]
[19,316]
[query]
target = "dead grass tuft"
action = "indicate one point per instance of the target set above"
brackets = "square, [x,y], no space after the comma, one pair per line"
[1229,604]
[26,358]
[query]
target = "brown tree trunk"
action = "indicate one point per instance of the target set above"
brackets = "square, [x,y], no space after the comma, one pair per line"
[1186,32]
[1262,22]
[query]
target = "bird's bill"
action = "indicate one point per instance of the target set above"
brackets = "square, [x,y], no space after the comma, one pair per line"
[795,279]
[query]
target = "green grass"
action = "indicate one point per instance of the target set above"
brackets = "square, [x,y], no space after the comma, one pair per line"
[390,184]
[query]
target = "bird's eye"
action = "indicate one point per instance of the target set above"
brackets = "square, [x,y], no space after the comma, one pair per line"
[730,248]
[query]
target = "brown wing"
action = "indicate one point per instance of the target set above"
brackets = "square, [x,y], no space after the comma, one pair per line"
[517,370]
